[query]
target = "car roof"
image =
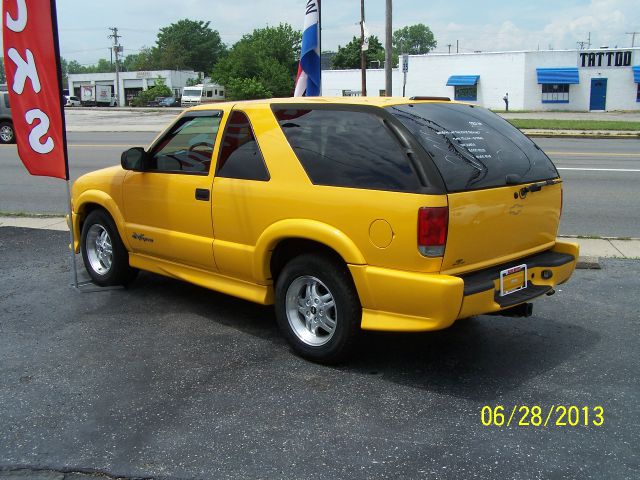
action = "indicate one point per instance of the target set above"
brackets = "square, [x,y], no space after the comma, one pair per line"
[367,101]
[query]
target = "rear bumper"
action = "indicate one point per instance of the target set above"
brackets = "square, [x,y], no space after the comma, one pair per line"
[395,300]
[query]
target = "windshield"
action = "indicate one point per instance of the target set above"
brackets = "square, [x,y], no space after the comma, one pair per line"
[191,92]
[472,147]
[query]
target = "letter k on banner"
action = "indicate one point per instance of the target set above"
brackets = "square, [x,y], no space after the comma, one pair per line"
[32,64]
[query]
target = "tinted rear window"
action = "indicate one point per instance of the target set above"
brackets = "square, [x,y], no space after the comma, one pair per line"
[472,147]
[347,149]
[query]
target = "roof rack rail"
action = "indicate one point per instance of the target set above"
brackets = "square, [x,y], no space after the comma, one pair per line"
[442,99]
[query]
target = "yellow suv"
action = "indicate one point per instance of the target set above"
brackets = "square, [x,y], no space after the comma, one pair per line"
[359,213]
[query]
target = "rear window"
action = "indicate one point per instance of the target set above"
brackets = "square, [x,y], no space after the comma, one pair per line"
[472,147]
[347,148]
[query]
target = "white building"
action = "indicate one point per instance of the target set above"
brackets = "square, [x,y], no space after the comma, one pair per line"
[132,83]
[578,80]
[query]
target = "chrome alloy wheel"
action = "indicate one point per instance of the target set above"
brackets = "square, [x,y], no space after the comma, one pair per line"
[6,134]
[311,310]
[99,249]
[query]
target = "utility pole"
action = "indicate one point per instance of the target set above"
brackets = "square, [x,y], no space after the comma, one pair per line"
[589,42]
[116,50]
[449,45]
[633,37]
[363,53]
[388,52]
[457,46]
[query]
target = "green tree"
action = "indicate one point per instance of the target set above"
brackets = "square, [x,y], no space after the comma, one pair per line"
[3,76]
[74,67]
[104,66]
[414,40]
[349,55]
[158,90]
[246,89]
[188,44]
[145,59]
[261,64]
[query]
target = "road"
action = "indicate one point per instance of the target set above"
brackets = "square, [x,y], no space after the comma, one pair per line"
[168,380]
[602,196]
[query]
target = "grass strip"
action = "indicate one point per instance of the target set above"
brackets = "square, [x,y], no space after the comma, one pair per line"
[546,124]
[30,215]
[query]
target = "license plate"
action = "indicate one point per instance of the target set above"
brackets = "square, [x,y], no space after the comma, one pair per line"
[513,279]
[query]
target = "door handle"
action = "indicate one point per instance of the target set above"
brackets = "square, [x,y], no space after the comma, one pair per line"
[202,194]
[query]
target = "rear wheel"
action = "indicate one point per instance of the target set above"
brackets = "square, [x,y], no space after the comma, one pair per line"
[7,134]
[317,308]
[105,256]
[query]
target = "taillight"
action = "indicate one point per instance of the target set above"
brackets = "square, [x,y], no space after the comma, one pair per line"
[432,230]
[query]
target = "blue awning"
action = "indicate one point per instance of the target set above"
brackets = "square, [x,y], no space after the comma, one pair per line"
[558,75]
[466,80]
[636,74]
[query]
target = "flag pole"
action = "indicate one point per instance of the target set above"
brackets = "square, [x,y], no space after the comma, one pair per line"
[56,46]
[74,270]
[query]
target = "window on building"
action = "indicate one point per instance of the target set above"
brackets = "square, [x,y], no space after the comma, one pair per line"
[188,146]
[555,93]
[222,93]
[240,155]
[347,148]
[466,92]
[638,95]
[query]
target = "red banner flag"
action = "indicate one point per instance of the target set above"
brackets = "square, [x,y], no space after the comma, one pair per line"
[32,65]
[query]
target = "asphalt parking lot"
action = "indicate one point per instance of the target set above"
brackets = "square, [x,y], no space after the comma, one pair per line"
[168,380]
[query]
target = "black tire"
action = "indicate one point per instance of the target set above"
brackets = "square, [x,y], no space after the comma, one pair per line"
[106,265]
[329,277]
[7,133]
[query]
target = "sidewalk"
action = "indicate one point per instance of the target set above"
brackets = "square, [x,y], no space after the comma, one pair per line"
[590,248]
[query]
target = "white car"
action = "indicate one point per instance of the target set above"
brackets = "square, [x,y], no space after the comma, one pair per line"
[70,101]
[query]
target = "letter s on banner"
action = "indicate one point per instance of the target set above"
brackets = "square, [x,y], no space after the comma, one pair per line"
[30,43]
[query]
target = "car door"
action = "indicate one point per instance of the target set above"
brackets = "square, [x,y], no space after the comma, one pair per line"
[242,194]
[167,205]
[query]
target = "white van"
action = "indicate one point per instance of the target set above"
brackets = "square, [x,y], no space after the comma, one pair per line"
[202,93]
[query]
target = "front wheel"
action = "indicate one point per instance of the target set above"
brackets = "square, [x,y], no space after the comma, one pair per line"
[317,308]
[105,256]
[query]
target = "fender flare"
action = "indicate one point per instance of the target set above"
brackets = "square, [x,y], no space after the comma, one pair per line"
[105,201]
[306,229]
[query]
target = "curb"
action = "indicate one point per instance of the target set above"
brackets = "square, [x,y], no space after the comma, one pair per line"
[577,134]
[588,263]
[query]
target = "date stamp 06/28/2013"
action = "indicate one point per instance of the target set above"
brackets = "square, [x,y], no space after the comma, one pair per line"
[539,416]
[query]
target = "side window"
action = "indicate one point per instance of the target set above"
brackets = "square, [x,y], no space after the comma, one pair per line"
[240,155]
[188,146]
[554,93]
[6,100]
[465,92]
[347,148]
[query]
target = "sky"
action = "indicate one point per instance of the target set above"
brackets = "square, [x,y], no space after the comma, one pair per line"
[486,25]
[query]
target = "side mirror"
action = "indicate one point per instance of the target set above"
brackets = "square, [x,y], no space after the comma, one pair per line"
[133,159]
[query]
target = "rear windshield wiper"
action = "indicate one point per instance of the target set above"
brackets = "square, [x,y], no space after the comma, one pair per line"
[536,187]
